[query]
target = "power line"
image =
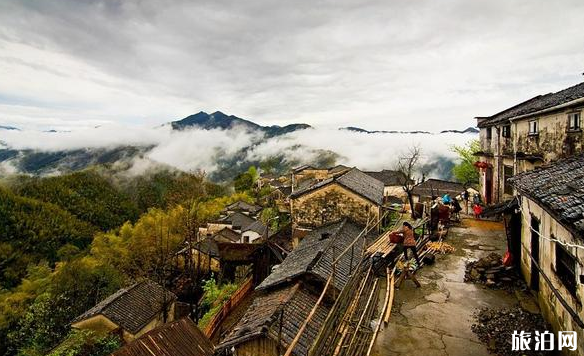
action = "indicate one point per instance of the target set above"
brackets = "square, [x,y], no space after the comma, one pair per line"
[528,223]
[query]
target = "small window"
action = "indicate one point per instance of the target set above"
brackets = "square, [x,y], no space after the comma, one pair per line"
[506,132]
[533,127]
[508,173]
[574,121]
[245,239]
[489,133]
[566,268]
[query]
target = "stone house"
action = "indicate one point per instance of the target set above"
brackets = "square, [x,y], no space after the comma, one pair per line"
[132,311]
[551,225]
[537,131]
[351,194]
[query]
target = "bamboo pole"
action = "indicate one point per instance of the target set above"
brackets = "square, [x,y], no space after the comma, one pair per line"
[308,319]
[363,315]
[381,314]
[349,314]
[390,300]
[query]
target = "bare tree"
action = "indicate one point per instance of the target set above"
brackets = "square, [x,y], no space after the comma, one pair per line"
[408,166]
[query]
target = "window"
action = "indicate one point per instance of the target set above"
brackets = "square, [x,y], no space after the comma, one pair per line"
[574,121]
[489,133]
[508,173]
[533,127]
[566,268]
[245,239]
[506,132]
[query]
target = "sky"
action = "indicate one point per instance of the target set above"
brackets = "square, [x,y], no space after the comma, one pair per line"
[380,64]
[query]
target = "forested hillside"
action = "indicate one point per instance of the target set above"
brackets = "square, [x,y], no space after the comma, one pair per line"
[67,242]
[32,230]
[86,194]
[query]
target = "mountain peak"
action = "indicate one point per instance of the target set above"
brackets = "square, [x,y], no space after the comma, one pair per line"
[220,120]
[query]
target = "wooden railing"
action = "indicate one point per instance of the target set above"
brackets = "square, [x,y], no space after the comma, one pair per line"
[228,306]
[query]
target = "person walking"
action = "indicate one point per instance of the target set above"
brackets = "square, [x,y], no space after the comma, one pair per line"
[465,197]
[409,241]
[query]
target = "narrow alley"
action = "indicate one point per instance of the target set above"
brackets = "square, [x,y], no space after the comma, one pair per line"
[436,319]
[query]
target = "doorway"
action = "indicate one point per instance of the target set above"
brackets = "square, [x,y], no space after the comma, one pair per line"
[534,253]
[489,185]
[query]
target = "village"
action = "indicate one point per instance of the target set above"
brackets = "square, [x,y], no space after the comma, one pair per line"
[389,262]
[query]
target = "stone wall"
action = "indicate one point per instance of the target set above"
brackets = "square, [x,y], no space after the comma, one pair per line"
[332,203]
[551,308]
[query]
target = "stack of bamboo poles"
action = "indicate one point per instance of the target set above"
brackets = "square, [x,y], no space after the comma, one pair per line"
[347,330]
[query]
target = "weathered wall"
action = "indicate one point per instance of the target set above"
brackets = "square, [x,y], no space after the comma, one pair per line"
[553,140]
[551,308]
[331,203]
[154,323]
[394,190]
[251,235]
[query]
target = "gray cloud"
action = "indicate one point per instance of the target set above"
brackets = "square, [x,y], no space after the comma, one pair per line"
[378,64]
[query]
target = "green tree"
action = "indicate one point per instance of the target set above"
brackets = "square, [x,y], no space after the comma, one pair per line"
[245,181]
[464,171]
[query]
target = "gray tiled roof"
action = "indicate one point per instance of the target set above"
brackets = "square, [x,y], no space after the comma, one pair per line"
[237,220]
[256,226]
[228,234]
[133,307]
[244,206]
[540,102]
[181,337]
[354,180]
[438,188]
[263,318]
[314,255]
[388,177]
[558,188]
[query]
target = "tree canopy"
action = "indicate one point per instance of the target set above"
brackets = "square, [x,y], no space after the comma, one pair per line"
[464,171]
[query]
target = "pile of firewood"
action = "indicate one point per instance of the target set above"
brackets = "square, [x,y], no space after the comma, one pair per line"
[440,247]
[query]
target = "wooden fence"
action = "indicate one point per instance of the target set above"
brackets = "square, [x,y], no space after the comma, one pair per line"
[228,306]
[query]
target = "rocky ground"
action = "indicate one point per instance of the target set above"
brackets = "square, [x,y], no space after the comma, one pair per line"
[493,327]
[437,318]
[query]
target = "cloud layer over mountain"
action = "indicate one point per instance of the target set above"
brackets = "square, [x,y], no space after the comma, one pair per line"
[194,149]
